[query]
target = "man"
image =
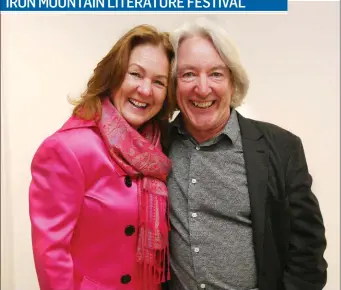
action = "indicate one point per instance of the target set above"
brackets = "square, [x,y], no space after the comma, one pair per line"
[243,214]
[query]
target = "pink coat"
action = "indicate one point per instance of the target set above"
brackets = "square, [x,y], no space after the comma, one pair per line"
[84,213]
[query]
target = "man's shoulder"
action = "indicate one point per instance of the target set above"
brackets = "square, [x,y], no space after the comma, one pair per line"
[271,130]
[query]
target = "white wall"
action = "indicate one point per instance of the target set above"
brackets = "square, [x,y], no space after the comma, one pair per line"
[293,62]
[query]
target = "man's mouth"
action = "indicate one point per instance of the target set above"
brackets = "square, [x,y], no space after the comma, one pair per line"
[138,104]
[203,105]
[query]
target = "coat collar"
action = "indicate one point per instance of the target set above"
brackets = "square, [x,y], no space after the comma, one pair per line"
[74,122]
[249,128]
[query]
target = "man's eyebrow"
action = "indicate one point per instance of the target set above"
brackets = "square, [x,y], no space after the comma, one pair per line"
[143,69]
[188,66]
[223,67]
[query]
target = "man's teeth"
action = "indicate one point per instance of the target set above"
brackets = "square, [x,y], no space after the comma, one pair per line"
[138,104]
[203,104]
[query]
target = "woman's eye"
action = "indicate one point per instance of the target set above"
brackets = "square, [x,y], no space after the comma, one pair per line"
[160,83]
[135,74]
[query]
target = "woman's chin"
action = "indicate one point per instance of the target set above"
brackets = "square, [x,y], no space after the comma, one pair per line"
[134,120]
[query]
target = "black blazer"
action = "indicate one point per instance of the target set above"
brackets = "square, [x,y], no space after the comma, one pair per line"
[288,230]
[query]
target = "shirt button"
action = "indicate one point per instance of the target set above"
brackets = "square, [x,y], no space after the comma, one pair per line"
[194,181]
[196,250]
[202,286]
[194,214]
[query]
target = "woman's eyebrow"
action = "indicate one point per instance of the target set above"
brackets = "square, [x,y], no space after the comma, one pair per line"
[143,69]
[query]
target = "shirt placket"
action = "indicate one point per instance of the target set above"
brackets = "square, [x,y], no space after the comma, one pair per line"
[195,232]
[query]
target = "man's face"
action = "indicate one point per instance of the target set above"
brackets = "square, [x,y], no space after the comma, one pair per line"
[204,87]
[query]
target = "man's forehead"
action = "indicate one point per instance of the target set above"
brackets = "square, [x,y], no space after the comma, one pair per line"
[195,41]
[197,46]
[199,55]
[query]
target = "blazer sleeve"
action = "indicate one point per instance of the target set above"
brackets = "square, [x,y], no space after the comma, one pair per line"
[55,197]
[306,268]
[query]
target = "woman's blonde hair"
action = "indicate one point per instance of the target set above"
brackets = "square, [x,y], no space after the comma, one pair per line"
[110,72]
[225,47]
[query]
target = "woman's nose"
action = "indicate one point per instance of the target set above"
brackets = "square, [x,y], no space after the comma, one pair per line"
[145,88]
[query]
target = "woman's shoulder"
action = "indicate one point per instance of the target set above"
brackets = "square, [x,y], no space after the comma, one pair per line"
[76,135]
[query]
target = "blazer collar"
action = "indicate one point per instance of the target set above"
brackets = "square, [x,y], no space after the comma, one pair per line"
[249,128]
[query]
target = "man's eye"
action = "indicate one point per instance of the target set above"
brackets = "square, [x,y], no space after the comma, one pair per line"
[188,75]
[217,74]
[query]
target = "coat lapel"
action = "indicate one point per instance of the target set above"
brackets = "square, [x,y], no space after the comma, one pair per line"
[256,164]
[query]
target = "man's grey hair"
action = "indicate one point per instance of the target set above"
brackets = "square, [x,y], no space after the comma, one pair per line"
[224,46]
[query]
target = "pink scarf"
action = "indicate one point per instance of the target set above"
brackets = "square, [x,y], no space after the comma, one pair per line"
[141,157]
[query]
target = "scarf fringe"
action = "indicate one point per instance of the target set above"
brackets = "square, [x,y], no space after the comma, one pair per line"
[149,275]
[153,263]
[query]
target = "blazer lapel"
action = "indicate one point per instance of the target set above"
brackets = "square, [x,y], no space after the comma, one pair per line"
[256,164]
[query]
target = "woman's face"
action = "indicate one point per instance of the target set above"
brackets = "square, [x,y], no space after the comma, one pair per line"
[144,87]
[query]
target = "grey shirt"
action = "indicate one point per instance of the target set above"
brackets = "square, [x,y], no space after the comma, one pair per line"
[211,238]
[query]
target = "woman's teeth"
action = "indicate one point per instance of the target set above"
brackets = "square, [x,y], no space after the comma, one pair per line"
[138,104]
[203,105]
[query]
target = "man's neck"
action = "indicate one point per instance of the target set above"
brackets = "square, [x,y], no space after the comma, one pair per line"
[202,136]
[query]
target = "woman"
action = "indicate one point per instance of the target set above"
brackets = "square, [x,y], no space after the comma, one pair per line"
[98,199]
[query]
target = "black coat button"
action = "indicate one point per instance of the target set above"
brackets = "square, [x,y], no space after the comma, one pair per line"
[127,181]
[129,230]
[125,279]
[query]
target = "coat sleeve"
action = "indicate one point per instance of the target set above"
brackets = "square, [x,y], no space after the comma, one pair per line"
[306,268]
[55,197]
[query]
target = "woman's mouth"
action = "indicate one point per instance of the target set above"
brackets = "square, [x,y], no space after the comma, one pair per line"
[138,104]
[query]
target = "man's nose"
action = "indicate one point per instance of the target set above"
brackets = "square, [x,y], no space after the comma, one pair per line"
[203,87]
[145,88]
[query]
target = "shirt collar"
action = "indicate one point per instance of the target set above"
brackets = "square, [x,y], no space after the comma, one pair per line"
[231,129]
